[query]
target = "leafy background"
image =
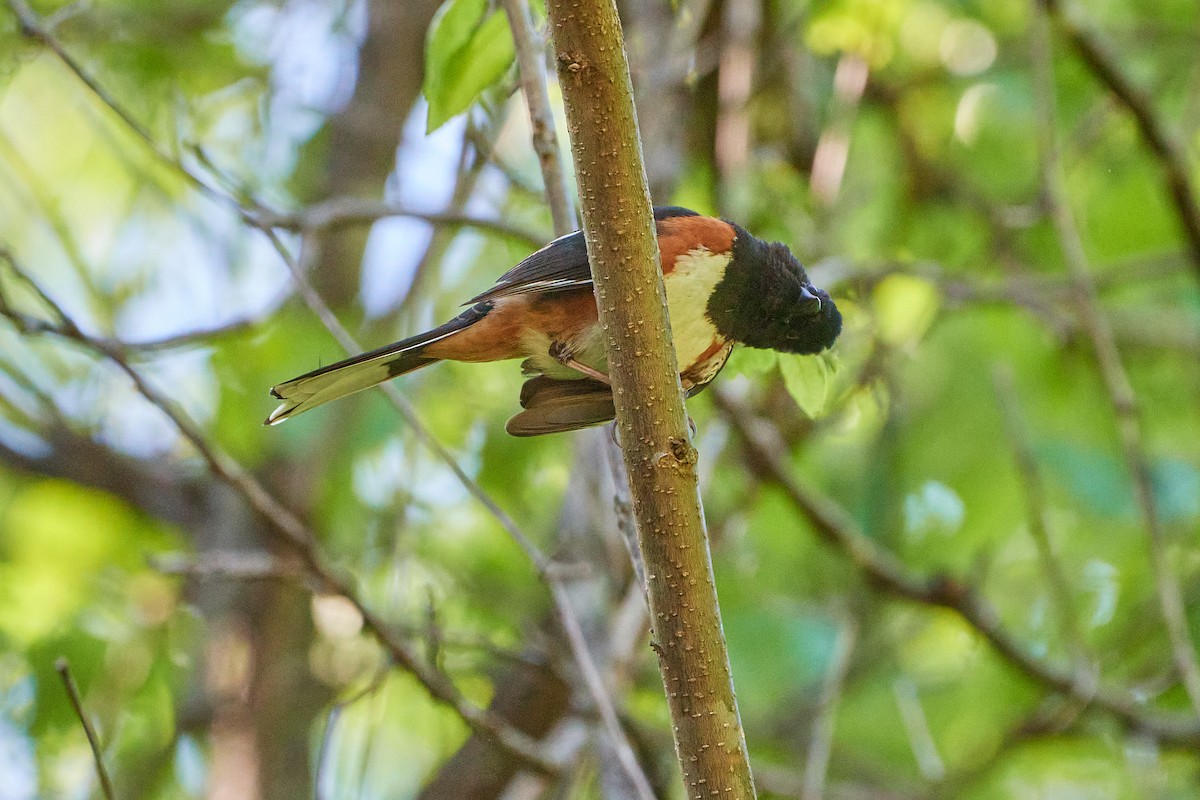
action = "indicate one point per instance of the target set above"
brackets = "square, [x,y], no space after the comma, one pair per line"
[893,144]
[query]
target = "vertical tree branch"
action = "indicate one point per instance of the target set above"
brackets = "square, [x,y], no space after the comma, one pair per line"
[570,623]
[740,22]
[833,148]
[816,764]
[1162,145]
[660,458]
[1108,358]
[64,671]
[1039,525]
[530,62]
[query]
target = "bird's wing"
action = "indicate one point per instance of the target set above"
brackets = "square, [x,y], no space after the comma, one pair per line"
[557,406]
[552,405]
[560,265]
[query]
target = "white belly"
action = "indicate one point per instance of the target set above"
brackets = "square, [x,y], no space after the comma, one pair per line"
[688,286]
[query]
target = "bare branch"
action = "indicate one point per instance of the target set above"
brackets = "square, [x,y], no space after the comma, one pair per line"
[659,455]
[339,212]
[1037,516]
[916,726]
[471,162]
[816,763]
[883,570]
[732,143]
[232,564]
[531,58]
[1108,359]
[289,528]
[34,28]
[623,506]
[1162,145]
[63,667]
[335,714]
[833,147]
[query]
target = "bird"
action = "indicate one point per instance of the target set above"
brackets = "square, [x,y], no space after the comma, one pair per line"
[724,286]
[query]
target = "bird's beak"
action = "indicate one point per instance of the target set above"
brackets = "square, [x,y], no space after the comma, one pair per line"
[810,304]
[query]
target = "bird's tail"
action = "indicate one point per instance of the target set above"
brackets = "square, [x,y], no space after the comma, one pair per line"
[364,371]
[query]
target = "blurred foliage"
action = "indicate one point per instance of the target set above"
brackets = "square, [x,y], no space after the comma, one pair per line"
[936,244]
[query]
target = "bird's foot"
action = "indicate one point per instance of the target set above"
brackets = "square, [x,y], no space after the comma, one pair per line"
[560,353]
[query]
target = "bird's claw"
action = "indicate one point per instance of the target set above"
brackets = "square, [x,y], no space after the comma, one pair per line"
[560,353]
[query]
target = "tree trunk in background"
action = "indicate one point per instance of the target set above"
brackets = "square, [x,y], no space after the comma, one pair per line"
[362,140]
[658,68]
[363,137]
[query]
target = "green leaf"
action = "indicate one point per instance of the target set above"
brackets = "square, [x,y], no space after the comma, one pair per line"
[807,379]
[751,361]
[464,54]
[906,306]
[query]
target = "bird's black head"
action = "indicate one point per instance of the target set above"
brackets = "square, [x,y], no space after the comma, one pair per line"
[765,300]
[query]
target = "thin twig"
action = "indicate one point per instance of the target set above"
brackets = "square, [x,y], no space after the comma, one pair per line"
[1053,716]
[1036,514]
[543,564]
[332,213]
[292,531]
[64,670]
[49,210]
[471,163]
[833,146]
[623,505]
[916,726]
[237,565]
[883,570]
[35,28]
[599,692]
[732,140]
[816,763]
[341,212]
[531,61]
[188,339]
[1108,359]
[335,714]
[1165,149]
[283,521]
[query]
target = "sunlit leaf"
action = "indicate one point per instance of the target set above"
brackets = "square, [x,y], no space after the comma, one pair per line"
[751,361]
[464,54]
[808,379]
[906,307]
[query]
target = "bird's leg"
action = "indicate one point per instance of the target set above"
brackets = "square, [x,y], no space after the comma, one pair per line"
[560,353]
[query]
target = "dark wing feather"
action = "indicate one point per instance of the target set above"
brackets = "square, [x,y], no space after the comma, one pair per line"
[556,406]
[560,265]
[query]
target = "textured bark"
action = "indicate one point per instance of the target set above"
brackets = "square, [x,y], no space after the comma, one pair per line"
[659,455]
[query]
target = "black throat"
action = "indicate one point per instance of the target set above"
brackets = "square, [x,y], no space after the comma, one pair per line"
[760,301]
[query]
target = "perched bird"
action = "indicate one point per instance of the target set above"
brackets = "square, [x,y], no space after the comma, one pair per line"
[723,286]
